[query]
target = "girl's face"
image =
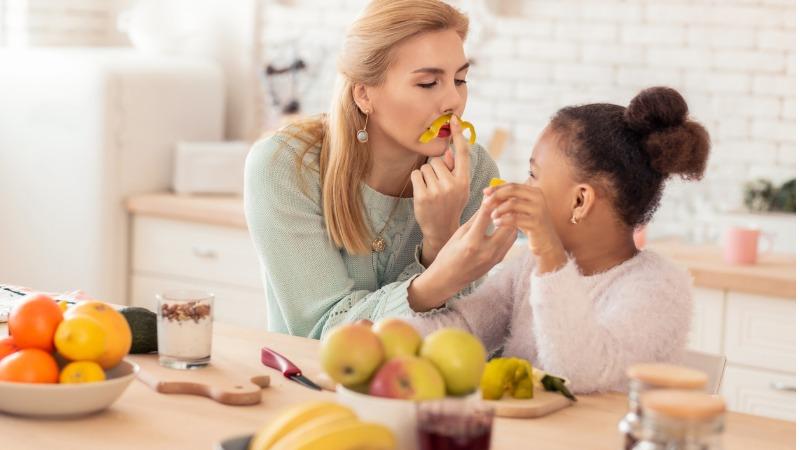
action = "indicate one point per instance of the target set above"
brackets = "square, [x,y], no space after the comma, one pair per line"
[426,79]
[552,172]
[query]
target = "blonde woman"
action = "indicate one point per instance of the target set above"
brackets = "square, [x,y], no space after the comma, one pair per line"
[348,211]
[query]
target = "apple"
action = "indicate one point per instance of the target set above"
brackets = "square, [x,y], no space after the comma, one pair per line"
[408,377]
[459,357]
[351,353]
[398,337]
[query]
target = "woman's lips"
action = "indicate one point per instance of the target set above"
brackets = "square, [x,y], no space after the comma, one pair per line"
[444,131]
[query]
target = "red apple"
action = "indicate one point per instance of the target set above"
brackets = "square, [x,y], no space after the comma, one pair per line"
[408,377]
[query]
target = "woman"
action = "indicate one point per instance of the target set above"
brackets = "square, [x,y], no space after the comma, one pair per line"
[584,303]
[347,210]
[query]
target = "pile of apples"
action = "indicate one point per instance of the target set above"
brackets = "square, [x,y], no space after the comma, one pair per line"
[390,359]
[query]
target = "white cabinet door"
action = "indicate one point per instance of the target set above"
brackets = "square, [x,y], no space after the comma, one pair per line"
[705,334]
[197,251]
[760,332]
[238,306]
[759,392]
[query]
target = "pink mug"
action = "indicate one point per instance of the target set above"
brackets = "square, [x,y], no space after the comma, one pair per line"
[740,245]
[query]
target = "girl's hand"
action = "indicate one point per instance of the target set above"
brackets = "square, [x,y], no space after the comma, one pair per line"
[524,207]
[468,255]
[440,194]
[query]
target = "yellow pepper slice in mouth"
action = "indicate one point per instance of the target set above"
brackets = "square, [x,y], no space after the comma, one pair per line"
[433,130]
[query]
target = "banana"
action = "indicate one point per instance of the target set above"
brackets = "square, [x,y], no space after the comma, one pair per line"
[339,435]
[294,418]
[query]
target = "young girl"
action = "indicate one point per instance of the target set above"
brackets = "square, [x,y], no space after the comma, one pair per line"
[329,200]
[584,303]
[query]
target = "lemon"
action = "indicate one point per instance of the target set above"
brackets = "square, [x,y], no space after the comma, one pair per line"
[80,338]
[82,372]
[63,304]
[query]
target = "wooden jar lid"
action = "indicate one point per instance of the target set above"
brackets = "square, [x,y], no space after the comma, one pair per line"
[681,404]
[668,376]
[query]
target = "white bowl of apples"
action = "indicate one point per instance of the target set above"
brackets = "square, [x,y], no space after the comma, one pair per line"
[383,372]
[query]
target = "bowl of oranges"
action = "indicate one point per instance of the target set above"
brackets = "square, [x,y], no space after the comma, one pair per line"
[63,360]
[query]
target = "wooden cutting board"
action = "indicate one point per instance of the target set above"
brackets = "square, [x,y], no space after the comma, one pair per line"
[542,404]
[221,381]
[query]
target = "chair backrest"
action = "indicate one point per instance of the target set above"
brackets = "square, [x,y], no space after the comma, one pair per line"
[712,365]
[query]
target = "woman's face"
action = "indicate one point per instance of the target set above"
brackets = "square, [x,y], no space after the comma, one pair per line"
[426,79]
[551,171]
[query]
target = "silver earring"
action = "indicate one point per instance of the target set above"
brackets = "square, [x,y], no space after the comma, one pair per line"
[362,134]
[573,220]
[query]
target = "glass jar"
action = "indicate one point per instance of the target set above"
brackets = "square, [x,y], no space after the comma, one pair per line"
[650,376]
[681,420]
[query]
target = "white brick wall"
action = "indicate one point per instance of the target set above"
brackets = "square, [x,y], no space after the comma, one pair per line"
[733,60]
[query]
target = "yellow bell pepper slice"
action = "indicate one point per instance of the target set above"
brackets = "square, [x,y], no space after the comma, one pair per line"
[496,182]
[433,130]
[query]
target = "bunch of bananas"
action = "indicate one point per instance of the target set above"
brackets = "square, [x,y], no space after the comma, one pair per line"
[321,425]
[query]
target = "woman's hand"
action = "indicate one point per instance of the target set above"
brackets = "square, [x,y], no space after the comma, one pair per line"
[441,191]
[468,255]
[524,207]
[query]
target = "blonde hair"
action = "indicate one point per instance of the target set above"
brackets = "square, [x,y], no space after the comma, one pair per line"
[367,54]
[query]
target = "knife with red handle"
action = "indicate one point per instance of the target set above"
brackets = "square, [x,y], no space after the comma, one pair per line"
[271,358]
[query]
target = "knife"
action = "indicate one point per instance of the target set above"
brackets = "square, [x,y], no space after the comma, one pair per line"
[271,358]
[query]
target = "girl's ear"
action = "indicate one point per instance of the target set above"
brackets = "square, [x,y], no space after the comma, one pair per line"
[583,199]
[361,97]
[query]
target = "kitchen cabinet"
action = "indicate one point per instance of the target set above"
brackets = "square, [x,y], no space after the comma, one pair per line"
[756,333]
[176,254]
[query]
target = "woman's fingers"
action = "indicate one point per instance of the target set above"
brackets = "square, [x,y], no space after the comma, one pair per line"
[462,157]
[440,169]
[417,183]
[429,175]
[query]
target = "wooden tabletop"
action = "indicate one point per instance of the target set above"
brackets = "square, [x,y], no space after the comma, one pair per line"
[774,275]
[143,419]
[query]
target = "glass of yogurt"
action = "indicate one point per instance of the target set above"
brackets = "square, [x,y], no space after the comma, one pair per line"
[184,328]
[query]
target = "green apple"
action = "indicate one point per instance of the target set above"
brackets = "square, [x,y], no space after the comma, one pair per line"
[459,357]
[351,353]
[408,377]
[398,337]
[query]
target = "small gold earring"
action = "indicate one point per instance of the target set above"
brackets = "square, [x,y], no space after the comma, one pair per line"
[362,134]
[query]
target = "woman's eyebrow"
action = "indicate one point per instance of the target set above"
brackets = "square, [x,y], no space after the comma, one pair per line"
[439,71]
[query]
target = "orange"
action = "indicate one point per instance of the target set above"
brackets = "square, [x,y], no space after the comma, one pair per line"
[33,322]
[29,365]
[118,333]
[7,347]
[82,372]
[80,338]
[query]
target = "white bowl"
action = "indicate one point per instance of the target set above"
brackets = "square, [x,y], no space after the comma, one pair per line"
[398,415]
[66,400]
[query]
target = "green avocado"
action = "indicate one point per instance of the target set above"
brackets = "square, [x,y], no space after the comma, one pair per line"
[143,329]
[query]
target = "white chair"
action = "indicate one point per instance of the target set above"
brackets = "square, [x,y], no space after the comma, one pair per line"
[712,365]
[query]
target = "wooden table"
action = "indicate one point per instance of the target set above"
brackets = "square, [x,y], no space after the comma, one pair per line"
[143,419]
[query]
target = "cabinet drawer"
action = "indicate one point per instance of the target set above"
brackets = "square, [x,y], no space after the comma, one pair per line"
[759,392]
[198,251]
[708,313]
[243,307]
[760,332]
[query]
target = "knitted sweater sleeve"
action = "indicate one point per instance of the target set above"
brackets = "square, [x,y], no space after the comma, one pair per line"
[310,282]
[591,335]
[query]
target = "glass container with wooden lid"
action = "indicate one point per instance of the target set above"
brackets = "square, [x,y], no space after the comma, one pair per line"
[681,420]
[649,376]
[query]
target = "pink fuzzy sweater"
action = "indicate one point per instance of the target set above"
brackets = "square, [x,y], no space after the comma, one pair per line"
[587,329]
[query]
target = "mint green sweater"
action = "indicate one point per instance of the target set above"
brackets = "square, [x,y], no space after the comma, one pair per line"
[311,285]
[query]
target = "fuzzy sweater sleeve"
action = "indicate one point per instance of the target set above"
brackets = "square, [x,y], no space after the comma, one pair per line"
[590,329]
[486,312]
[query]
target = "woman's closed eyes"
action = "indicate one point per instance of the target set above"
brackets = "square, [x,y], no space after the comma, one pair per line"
[434,83]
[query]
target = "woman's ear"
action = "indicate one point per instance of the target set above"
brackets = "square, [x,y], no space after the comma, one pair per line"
[361,97]
[583,199]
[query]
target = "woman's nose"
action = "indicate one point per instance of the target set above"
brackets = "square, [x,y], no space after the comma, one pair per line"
[452,100]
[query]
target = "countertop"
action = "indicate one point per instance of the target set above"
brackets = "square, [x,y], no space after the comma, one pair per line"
[142,418]
[773,275]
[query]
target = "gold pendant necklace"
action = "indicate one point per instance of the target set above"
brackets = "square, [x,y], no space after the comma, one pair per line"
[379,243]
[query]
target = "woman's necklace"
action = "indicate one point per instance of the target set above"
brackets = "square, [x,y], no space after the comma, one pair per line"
[379,243]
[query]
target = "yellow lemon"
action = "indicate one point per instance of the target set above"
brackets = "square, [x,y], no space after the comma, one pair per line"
[118,332]
[496,182]
[63,304]
[82,372]
[80,338]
